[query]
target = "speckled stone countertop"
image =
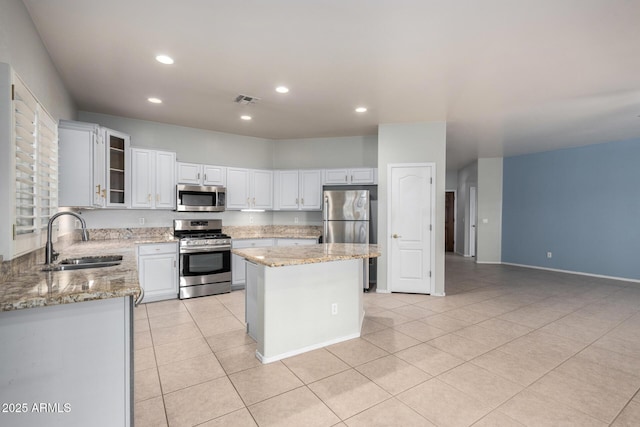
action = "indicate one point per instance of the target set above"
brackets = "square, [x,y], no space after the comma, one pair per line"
[273,231]
[282,256]
[35,288]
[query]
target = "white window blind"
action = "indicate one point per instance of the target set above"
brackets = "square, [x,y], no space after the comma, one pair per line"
[25,106]
[47,178]
[36,162]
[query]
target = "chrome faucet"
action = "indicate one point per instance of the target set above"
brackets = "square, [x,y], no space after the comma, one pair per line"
[49,254]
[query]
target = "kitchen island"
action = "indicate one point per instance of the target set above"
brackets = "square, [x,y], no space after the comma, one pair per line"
[67,340]
[303,298]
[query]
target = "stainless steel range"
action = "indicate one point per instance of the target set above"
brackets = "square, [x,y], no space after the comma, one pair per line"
[205,257]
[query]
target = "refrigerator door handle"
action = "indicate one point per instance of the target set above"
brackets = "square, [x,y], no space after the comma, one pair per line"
[324,219]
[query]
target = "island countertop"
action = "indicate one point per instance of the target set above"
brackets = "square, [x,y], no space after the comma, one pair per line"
[282,256]
[35,288]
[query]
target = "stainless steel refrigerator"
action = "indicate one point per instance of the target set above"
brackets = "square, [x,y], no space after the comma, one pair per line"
[349,215]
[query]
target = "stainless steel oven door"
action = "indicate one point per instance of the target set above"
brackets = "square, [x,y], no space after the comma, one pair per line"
[205,265]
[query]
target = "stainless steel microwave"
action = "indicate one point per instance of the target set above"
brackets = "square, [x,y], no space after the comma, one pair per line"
[200,198]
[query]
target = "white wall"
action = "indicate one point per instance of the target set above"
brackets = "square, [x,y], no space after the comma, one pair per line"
[467,177]
[412,143]
[451,180]
[355,151]
[489,223]
[22,48]
[191,144]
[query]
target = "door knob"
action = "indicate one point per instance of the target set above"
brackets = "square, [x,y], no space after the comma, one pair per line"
[395,236]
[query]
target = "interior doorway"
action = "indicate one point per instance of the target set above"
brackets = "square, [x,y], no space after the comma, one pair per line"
[449,223]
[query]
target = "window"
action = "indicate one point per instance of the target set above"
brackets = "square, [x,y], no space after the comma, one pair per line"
[36,167]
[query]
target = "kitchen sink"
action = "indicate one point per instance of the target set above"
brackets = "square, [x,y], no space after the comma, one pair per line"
[85,262]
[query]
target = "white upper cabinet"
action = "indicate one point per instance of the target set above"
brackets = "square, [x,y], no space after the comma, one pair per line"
[310,184]
[197,174]
[353,176]
[94,166]
[82,165]
[298,190]
[165,180]
[249,189]
[153,181]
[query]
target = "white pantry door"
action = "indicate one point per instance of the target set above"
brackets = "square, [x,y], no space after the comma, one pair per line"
[411,218]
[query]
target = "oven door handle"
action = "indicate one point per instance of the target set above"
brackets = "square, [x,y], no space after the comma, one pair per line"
[188,250]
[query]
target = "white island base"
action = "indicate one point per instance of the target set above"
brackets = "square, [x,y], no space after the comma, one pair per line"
[297,308]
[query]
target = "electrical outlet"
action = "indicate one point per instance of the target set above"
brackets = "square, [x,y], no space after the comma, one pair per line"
[295,220]
[141,221]
[250,219]
[334,309]
[549,255]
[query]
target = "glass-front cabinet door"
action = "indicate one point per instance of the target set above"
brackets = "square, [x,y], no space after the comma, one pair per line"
[118,170]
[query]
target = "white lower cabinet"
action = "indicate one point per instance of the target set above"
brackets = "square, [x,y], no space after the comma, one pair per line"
[74,358]
[238,277]
[158,271]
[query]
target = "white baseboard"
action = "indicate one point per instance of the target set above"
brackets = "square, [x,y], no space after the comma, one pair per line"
[489,262]
[580,273]
[277,357]
[383,291]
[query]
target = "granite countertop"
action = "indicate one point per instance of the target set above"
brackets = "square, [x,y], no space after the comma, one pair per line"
[35,288]
[281,256]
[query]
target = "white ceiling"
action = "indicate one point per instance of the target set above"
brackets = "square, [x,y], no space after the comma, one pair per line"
[509,77]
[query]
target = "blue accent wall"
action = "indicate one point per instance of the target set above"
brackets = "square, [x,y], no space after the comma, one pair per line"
[582,204]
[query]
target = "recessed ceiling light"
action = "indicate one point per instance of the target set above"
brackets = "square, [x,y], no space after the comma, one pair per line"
[245,117]
[361,110]
[155,100]
[164,59]
[282,89]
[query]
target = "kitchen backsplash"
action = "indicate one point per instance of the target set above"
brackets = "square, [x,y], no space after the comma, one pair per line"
[258,231]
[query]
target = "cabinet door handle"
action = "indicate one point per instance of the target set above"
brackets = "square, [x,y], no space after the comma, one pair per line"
[254,202]
[205,176]
[149,197]
[296,200]
[248,202]
[302,201]
[98,191]
[198,177]
[346,178]
[104,193]
[351,178]
[157,197]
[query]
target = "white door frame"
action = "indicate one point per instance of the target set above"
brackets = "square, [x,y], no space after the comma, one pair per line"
[455,219]
[473,220]
[432,249]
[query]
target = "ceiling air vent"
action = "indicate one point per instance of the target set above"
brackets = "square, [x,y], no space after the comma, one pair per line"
[246,99]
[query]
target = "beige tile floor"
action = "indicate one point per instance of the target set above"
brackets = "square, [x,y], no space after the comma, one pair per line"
[507,346]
